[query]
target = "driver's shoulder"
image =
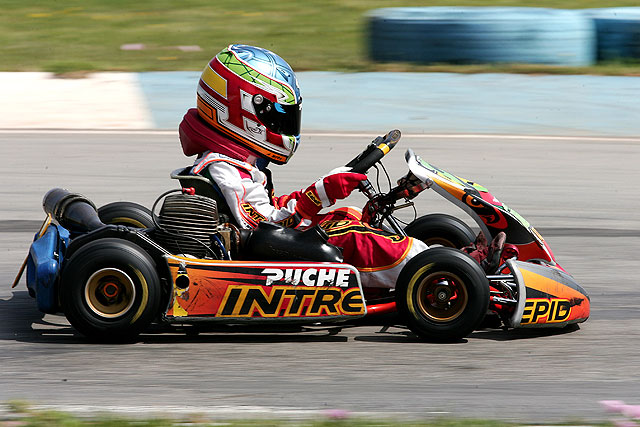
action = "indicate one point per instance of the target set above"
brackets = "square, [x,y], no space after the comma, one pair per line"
[220,165]
[211,158]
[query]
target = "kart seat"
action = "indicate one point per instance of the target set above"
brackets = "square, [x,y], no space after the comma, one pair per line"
[204,186]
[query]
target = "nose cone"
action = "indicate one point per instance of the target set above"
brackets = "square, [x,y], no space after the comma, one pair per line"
[553,297]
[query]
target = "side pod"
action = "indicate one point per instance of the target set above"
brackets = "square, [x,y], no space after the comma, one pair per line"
[548,297]
[43,267]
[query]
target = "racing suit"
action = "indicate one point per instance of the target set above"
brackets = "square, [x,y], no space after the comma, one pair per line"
[377,254]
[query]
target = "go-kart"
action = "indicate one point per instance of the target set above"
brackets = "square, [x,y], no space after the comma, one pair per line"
[116,270]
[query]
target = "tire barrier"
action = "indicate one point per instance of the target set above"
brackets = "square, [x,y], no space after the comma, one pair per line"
[481,35]
[618,32]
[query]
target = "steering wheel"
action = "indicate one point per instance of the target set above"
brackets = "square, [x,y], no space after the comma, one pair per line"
[375,151]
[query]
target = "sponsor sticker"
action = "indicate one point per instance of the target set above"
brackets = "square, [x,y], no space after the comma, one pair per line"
[308,276]
[290,301]
[543,310]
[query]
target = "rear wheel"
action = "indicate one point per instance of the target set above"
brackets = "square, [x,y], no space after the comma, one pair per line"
[126,213]
[442,294]
[110,290]
[441,230]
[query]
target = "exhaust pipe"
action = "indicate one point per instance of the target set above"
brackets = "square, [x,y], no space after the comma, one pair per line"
[73,211]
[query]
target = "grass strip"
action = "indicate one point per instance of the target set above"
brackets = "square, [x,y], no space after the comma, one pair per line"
[166,35]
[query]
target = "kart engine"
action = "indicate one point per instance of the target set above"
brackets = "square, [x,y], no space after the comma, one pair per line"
[188,225]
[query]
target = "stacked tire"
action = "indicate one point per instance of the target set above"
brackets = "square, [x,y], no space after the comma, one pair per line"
[482,35]
[618,32]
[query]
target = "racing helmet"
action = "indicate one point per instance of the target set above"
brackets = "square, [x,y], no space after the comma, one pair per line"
[251,95]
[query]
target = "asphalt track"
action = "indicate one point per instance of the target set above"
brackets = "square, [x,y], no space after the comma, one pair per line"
[581,193]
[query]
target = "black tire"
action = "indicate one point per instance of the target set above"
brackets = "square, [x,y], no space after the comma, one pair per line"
[442,294]
[110,290]
[126,213]
[441,230]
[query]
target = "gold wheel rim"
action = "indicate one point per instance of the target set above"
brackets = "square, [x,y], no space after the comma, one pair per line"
[110,293]
[123,220]
[440,241]
[442,296]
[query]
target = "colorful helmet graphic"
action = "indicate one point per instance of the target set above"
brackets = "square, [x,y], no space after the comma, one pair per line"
[252,96]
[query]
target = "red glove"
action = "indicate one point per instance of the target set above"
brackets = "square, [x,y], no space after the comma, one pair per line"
[339,185]
[326,191]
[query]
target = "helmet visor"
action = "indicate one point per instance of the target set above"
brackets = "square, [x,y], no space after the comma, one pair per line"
[279,118]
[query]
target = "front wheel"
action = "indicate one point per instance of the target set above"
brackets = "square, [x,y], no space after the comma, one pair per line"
[441,230]
[442,294]
[110,290]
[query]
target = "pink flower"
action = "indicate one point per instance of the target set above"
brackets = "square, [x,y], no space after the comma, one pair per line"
[632,411]
[337,414]
[613,405]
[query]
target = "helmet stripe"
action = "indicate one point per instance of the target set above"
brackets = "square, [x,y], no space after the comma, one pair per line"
[214,81]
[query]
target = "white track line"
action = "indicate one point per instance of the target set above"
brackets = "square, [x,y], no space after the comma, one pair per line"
[224,411]
[332,134]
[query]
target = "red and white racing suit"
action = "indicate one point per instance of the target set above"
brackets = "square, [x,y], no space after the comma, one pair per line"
[377,254]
